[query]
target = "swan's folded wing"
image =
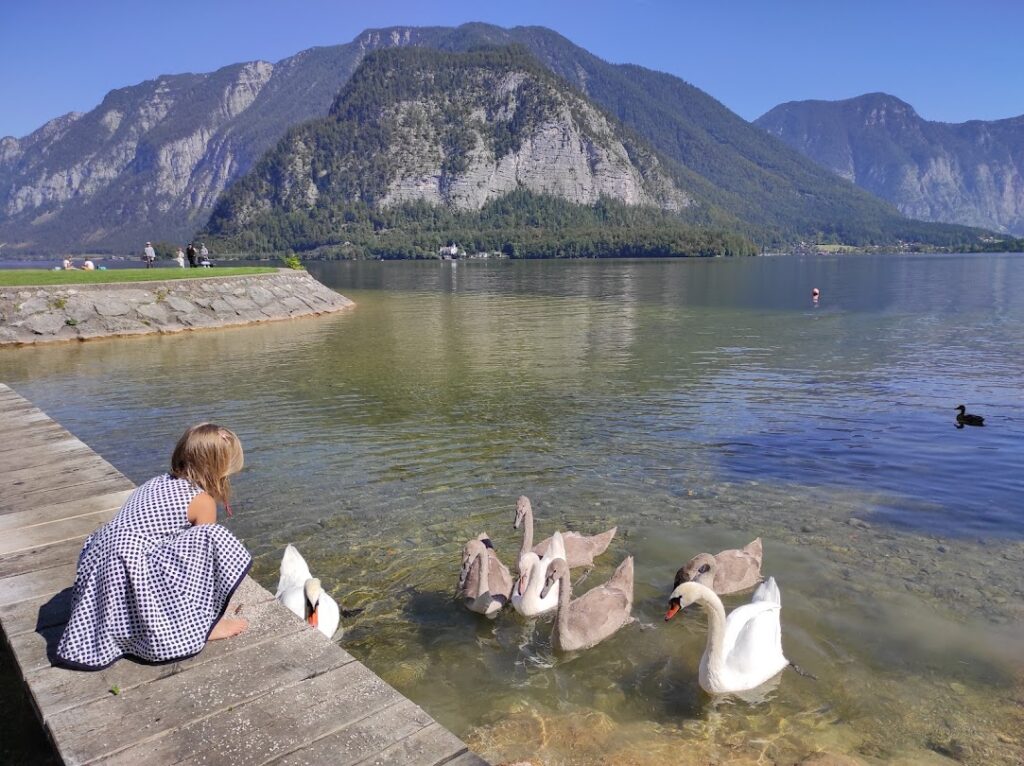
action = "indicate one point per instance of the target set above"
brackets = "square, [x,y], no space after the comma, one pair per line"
[753,638]
[599,612]
[499,579]
[328,615]
[294,571]
[294,600]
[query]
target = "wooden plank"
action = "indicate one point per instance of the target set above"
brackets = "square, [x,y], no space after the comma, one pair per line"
[25,457]
[27,501]
[432,744]
[361,739]
[56,689]
[49,458]
[36,613]
[82,506]
[15,405]
[59,473]
[32,481]
[272,726]
[24,421]
[32,650]
[36,559]
[135,716]
[18,417]
[41,436]
[29,585]
[28,538]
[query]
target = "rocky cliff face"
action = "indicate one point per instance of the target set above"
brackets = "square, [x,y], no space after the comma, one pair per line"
[969,173]
[150,161]
[452,130]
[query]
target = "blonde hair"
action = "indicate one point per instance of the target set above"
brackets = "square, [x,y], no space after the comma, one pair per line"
[206,455]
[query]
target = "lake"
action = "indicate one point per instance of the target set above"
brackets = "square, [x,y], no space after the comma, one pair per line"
[696,404]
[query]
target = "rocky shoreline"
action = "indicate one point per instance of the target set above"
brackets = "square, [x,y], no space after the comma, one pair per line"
[61,313]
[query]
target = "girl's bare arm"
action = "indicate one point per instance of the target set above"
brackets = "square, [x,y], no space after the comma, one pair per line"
[202,510]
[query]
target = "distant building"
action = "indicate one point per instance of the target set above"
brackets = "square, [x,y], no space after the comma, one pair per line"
[448,251]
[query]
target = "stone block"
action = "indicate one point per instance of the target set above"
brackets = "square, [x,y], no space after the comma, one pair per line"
[154,311]
[260,295]
[221,306]
[111,307]
[119,324]
[180,304]
[80,308]
[294,305]
[45,324]
[239,303]
[33,306]
[198,319]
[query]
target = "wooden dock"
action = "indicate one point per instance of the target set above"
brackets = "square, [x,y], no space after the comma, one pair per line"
[280,693]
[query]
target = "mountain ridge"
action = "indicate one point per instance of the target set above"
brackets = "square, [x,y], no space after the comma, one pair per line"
[971,172]
[158,173]
[476,139]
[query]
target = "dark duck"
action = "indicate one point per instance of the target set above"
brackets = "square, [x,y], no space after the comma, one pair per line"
[964,418]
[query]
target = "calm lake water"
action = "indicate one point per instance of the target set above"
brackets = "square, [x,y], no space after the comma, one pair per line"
[695,403]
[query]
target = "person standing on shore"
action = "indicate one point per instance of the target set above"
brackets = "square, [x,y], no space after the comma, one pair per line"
[149,255]
[180,258]
[191,252]
[204,254]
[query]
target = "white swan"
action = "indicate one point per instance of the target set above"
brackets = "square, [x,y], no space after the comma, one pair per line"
[533,571]
[302,594]
[744,650]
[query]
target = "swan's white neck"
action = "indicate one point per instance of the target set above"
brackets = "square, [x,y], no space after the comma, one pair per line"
[535,583]
[713,661]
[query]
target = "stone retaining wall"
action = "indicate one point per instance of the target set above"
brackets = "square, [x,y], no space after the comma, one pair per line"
[85,312]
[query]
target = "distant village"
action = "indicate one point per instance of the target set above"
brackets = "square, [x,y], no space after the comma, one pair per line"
[452,252]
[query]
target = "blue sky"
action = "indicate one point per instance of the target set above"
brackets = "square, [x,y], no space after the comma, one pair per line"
[952,61]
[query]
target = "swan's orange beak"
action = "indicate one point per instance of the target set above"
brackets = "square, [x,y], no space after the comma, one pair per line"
[522,585]
[673,607]
[314,619]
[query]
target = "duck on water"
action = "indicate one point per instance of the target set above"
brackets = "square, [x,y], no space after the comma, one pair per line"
[965,418]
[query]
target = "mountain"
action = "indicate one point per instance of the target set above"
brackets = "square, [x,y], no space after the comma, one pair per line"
[435,141]
[150,161]
[969,173]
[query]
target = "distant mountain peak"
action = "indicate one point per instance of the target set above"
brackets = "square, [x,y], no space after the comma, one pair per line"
[969,173]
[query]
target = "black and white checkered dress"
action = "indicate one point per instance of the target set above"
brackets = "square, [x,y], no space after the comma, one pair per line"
[150,584]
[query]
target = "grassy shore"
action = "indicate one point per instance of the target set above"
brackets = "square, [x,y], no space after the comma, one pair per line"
[26,277]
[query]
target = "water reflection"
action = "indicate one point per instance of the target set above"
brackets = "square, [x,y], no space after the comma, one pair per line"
[697,404]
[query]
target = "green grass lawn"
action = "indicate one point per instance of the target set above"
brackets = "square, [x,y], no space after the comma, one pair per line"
[24,277]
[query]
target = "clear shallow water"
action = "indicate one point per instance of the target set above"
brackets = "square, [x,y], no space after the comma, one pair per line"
[696,404]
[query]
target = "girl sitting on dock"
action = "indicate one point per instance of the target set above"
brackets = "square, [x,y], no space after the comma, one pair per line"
[154,581]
